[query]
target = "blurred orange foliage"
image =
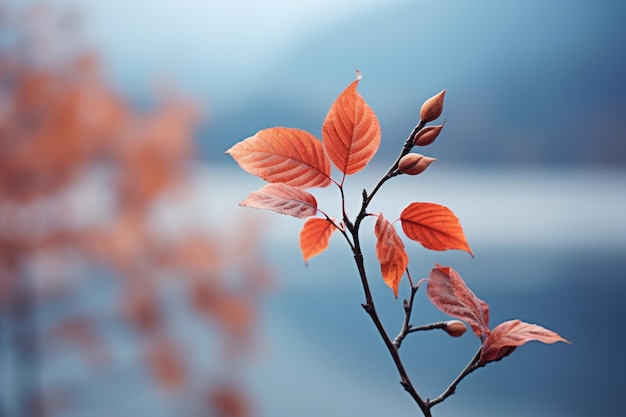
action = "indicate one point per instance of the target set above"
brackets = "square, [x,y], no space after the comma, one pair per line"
[81,171]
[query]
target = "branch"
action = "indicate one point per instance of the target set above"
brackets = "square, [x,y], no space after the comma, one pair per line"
[341,230]
[406,327]
[369,306]
[393,171]
[370,309]
[394,346]
[471,367]
[431,326]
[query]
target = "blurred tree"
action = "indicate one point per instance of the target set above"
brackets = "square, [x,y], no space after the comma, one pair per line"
[84,177]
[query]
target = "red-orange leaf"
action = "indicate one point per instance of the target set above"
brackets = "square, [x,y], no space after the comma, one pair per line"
[390,252]
[434,226]
[351,132]
[283,199]
[314,236]
[513,333]
[282,154]
[448,292]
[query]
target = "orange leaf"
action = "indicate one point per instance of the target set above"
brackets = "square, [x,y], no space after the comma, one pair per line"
[351,132]
[449,293]
[507,336]
[314,237]
[390,253]
[283,199]
[434,226]
[282,154]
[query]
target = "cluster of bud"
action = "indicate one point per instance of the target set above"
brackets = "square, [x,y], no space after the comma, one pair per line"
[415,163]
[431,110]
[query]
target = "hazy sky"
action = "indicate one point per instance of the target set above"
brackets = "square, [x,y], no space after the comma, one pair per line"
[529,82]
[221,36]
[524,77]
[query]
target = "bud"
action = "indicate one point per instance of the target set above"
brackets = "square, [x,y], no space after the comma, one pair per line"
[432,108]
[455,328]
[427,135]
[414,163]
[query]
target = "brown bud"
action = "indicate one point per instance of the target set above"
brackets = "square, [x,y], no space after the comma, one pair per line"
[432,108]
[455,328]
[427,135]
[414,163]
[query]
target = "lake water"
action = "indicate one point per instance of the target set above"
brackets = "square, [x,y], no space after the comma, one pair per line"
[550,248]
[327,358]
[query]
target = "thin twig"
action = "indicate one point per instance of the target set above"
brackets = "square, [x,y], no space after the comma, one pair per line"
[431,326]
[471,367]
[392,172]
[406,327]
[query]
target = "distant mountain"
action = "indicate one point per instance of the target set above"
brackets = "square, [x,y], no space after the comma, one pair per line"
[528,82]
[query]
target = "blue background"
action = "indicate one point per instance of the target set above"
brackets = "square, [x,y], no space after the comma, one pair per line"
[531,159]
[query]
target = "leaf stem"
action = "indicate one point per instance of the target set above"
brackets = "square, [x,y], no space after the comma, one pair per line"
[344,213]
[341,230]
